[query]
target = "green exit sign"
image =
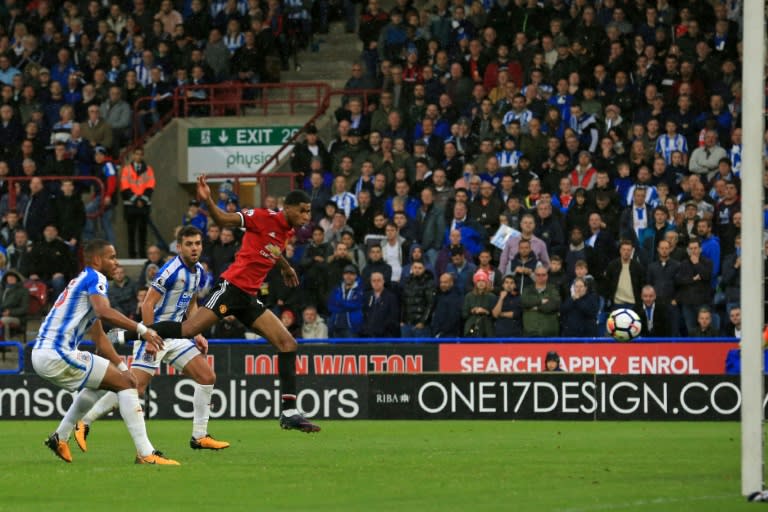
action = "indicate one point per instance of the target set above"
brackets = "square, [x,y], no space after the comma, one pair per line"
[263,136]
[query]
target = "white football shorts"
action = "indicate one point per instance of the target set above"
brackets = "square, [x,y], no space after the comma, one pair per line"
[176,352]
[73,370]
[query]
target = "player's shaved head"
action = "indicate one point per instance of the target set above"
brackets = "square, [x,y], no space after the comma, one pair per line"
[94,248]
[296,197]
[297,208]
[101,255]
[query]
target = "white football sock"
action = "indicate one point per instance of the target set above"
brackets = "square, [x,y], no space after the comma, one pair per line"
[82,404]
[202,410]
[133,416]
[102,407]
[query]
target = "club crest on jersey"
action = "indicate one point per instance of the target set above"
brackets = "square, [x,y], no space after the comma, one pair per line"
[272,251]
[223,309]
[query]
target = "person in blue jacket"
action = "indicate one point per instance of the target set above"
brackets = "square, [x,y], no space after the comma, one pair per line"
[346,305]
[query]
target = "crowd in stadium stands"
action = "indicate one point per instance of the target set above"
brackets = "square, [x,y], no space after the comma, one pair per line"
[530,164]
[70,75]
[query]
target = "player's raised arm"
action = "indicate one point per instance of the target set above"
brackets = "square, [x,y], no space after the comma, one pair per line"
[105,312]
[221,218]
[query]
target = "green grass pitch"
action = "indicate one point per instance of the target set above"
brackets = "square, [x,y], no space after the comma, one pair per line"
[384,466]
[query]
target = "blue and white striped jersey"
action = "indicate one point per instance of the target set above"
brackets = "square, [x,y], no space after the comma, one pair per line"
[665,145]
[178,284]
[72,314]
[735,155]
[508,158]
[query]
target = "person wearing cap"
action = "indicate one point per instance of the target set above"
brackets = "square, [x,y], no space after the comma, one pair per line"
[345,305]
[565,63]
[308,149]
[194,216]
[353,148]
[541,306]
[418,296]
[477,308]
[226,192]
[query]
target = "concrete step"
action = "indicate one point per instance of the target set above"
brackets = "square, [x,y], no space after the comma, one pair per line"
[336,51]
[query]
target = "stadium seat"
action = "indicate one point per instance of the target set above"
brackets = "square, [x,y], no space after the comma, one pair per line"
[38,297]
[227,100]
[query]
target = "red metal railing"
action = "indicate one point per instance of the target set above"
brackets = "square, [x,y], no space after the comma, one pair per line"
[14,179]
[365,94]
[260,179]
[229,97]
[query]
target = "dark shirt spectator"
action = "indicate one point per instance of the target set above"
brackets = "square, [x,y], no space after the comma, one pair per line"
[381,311]
[508,311]
[122,292]
[446,323]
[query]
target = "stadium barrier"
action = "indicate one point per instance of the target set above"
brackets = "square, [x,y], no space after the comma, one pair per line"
[363,356]
[433,378]
[4,345]
[545,396]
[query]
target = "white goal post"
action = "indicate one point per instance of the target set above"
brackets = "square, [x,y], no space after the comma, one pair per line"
[753,125]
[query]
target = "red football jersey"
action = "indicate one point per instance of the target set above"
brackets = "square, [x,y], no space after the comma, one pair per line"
[266,233]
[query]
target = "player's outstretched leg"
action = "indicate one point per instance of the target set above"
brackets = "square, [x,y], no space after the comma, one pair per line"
[106,404]
[276,333]
[197,368]
[133,416]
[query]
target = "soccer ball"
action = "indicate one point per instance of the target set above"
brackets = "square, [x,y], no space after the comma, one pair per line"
[624,324]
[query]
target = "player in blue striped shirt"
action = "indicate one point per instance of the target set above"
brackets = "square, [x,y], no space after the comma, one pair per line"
[78,311]
[172,295]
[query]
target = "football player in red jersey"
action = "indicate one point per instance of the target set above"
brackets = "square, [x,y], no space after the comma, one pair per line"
[235,293]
